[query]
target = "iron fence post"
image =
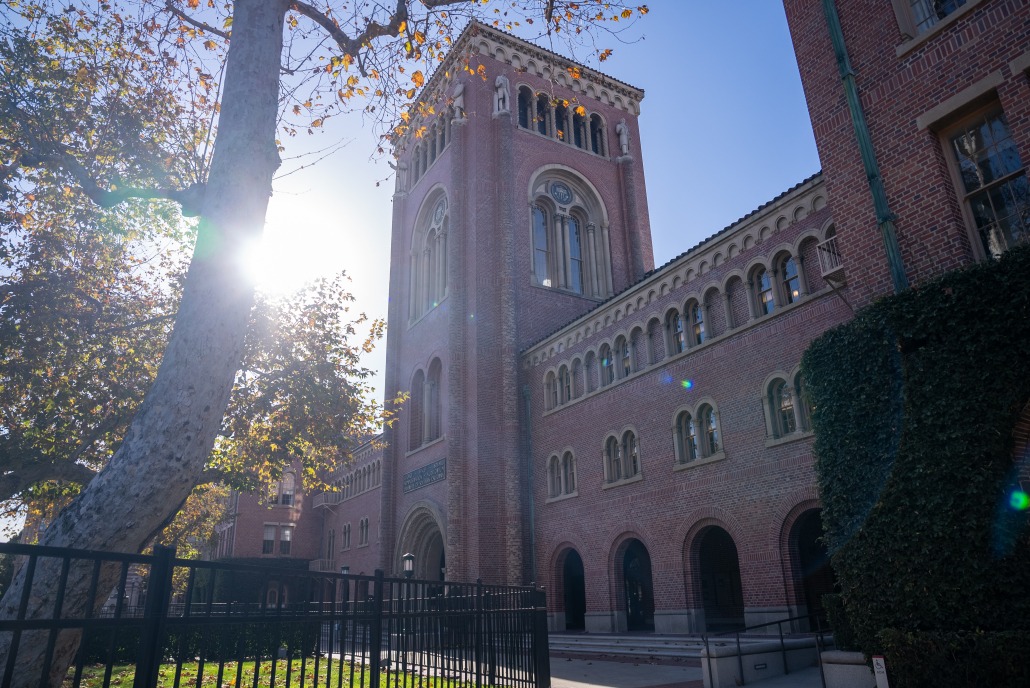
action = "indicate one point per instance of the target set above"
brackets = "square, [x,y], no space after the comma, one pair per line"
[541,651]
[159,593]
[477,632]
[375,642]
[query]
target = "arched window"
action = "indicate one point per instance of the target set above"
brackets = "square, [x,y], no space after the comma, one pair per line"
[433,405]
[697,323]
[561,122]
[607,366]
[570,241]
[630,456]
[781,408]
[597,142]
[429,259]
[686,438]
[763,292]
[525,107]
[674,328]
[417,416]
[613,459]
[345,544]
[624,357]
[710,425]
[579,131]
[543,114]
[550,391]
[791,281]
[564,385]
[554,476]
[802,410]
[568,471]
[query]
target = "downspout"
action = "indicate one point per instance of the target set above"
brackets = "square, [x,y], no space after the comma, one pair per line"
[884,216]
[528,448]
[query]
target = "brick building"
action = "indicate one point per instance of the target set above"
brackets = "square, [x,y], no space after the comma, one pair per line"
[635,438]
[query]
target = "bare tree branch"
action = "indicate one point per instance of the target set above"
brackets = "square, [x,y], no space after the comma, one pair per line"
[195,23]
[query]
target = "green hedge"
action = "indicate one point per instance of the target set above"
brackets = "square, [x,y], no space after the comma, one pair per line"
[914,406]
[956,660]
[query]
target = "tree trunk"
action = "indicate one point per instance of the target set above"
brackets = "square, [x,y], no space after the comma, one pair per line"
[170,439]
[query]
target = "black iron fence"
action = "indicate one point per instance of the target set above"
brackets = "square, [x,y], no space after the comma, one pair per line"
[173,622]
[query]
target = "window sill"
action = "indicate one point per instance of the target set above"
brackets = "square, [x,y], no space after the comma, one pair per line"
[625,481]
[787,439]
[419,448]
[561,498]
[423,316]
[568,292]
[714,458]
[913,43]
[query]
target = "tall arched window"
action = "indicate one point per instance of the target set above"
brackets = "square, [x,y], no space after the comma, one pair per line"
[674,328]
[623,357]
[763,292]
[686,438]
[710,424]
[630,456]
[554,476]
[550,391]
[579,131]
[525,106]
[287,487]
[791,281]
[433,405]
[543,114]
[607,366]
[697,323]
[429,259]
[415,404]
[802,410]
[568,468]
[569,238]
[561,122]
[597,142]
[564,385]
[613,459]
[781,408]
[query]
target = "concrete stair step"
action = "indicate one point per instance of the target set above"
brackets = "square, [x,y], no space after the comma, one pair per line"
[632,645]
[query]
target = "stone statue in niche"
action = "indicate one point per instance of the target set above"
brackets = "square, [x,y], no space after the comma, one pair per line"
[458,101]
[622,129]
[501,94]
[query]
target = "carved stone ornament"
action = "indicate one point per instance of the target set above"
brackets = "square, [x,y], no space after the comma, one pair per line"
[561,193]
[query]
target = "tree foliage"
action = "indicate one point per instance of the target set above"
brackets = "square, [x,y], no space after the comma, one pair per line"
[916,404]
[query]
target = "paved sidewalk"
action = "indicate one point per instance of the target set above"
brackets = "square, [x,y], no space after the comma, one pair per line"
[592,673]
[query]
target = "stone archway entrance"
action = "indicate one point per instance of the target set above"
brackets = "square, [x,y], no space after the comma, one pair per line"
[813,576]
[638,587]
[422,536]
[719,573]
[575,592]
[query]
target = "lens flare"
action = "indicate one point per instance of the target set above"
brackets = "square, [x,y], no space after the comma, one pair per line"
[687,384]
[1019,500]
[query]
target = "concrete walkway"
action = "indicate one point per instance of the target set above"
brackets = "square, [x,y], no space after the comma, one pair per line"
[592,673]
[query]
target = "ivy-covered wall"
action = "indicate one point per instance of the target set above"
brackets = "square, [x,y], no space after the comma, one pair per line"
[914,406]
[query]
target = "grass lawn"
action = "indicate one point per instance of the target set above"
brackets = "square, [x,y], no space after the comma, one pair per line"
[299,675]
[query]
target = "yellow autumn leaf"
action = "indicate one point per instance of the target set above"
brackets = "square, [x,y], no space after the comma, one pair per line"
[317,122]
[580,110]
[418,78]
[403,26]
[627,13]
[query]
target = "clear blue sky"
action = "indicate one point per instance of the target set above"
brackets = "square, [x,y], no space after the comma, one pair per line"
[724,128]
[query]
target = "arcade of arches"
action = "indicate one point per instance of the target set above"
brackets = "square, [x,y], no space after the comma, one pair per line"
[711,574]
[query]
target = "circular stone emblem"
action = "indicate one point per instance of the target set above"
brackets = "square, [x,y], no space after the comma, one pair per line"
[441,208]
[561,193]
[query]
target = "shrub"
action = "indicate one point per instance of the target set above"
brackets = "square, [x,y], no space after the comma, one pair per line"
[938,659]
[914,406]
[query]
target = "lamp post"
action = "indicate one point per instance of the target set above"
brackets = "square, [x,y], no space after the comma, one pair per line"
[408,563]
[344,571]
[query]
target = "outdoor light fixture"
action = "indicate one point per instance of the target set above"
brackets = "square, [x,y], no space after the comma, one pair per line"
[408,560]
[345,569]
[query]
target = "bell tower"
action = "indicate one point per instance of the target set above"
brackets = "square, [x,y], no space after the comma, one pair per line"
[520,205]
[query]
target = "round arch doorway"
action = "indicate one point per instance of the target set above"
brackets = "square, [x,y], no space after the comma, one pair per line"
[422,536]
[813,576]
[638,587]
[574,592]
[719,580]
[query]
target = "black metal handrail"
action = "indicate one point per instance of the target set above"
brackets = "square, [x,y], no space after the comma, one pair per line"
[377,630]
[818,629]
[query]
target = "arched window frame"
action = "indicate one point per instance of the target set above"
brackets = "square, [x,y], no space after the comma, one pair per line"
[711,440]
[762,289]
[564,385]
[550,391]
[525,105]
[630,454]
[416,401]
[433,402]
[623,357]
[685,437]
[568,470]
[785,410]
[612,460]
[696,321]
[598,142]
[554,476]
[676,337]
[801,404]
[790,279]
[429,262]
[542,114]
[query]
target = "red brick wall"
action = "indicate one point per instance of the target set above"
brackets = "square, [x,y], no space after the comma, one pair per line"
[894,91]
